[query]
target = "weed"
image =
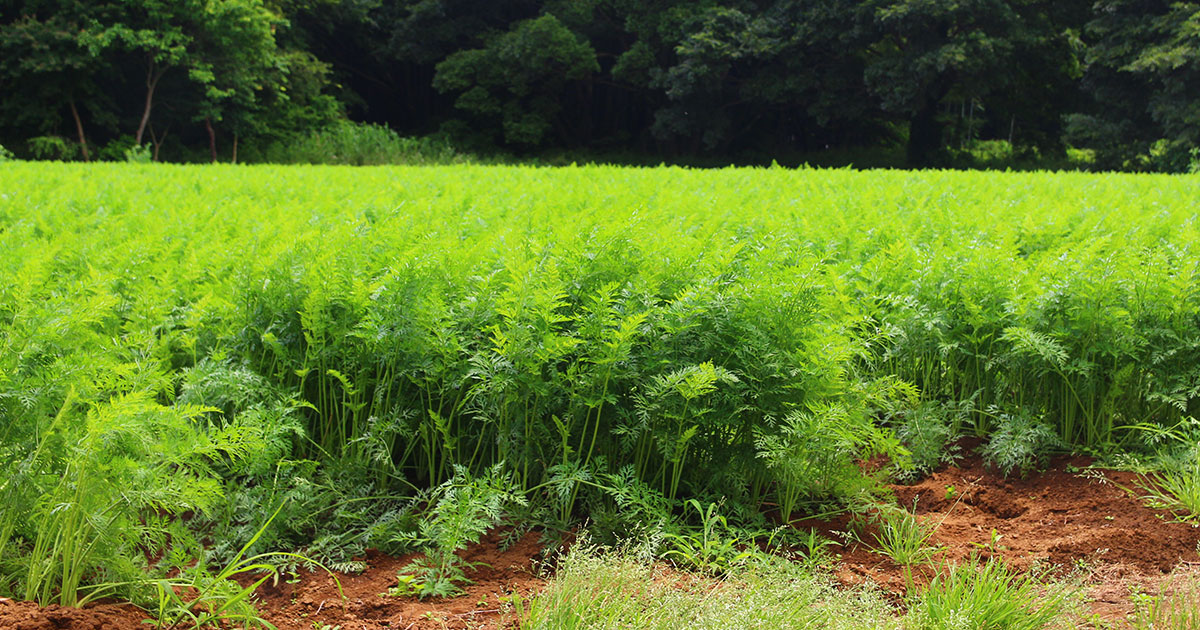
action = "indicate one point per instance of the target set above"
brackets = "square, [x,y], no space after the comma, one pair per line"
[992,547]
[1175,607]
[987,596]
[199,598]
[1175,486]
[809,548]
[597,589]
[903,538]
[713,549]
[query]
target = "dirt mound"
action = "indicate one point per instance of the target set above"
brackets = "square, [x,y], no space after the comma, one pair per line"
[1068,518]
[27,616]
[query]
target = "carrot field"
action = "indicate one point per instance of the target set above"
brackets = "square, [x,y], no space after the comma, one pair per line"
[206,369]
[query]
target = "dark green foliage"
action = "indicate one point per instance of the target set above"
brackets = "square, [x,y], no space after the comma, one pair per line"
[1143,67]
[712,82]
[1020,443]
[517,79]
[97,70]
[929,431]
[358,145]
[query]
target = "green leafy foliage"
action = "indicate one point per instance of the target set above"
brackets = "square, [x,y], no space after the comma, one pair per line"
[987,595]
[518,76]
[813,456]
[714,548]
[345,142]
[1021,443]
[1141,69]
[598,342]
[929,432]
[89,489]
[463,510]
[899,535]
[217,63]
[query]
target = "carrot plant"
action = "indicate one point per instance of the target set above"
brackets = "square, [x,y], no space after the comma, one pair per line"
[617,341]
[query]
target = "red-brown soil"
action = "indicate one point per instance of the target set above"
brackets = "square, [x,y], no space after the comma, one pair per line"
[303,604]
[1068,520]
[27,616]
[368,607]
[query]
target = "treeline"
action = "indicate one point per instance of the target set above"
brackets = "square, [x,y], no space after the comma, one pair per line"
[743,80]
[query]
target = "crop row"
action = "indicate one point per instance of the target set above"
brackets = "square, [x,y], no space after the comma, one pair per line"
[174,340]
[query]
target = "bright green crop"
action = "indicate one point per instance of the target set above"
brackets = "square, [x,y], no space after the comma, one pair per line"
[742,332]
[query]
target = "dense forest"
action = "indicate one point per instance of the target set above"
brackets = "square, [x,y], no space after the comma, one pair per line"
[932,81]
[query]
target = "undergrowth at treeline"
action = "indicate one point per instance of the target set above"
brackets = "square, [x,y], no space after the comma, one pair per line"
[404,358]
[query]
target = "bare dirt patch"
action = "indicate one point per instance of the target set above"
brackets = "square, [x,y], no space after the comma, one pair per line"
[27,616]
[314,598]
[1066,519]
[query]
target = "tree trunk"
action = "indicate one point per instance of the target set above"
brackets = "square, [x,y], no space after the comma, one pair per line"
[924,135]
[157,141]
[152,77]
[79,129]
[212,138]
[235,138]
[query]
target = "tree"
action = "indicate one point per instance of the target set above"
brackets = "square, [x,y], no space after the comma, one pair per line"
[230,58]
[1143,75]
[50,55]
[517,78]
[780,75]
[922,53]
[158,32]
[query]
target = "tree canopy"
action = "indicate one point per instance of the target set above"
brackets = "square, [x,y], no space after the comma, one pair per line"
[660,79]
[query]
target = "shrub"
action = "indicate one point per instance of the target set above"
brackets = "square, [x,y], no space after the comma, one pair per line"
[52,148]
[362,144]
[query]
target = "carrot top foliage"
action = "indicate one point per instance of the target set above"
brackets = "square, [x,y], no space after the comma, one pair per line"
[597,341]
